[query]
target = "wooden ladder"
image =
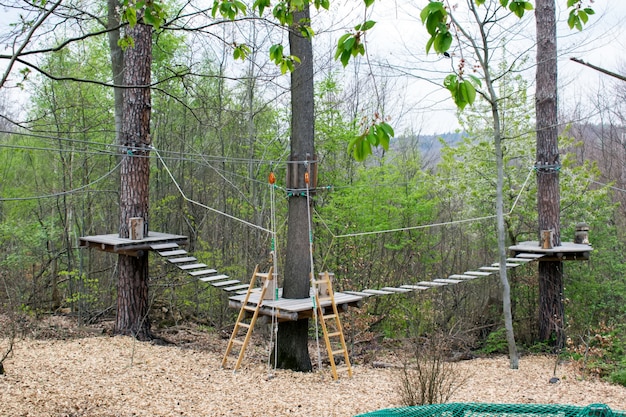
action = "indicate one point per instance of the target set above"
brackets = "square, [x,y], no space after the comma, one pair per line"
[331,325]
[235,338]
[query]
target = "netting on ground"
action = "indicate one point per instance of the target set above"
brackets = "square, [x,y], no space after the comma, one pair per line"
[498,410]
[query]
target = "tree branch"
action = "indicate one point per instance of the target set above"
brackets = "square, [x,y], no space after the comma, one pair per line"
[28,37]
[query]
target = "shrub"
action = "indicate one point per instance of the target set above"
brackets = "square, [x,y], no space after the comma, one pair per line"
[428,378]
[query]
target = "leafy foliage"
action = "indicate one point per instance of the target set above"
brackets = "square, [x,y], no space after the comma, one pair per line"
[351,44]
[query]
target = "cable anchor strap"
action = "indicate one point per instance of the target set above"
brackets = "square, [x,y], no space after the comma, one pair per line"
[546,167]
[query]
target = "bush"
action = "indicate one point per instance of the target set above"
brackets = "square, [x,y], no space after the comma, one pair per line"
[618,377]
[428,378]
[496,342]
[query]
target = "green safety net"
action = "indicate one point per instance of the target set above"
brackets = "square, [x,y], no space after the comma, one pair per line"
[498,410]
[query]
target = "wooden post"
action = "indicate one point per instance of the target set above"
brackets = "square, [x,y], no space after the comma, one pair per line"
[546,239]
[135,228]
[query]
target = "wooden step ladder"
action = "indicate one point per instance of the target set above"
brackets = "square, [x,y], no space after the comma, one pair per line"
[331,325]
[246,308]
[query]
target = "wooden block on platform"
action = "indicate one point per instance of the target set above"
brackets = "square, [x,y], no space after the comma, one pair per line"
[135,228]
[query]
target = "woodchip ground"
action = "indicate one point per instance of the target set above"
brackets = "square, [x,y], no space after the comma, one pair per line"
[82,374]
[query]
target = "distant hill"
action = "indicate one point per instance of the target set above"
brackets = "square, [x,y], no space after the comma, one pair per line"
[429,146]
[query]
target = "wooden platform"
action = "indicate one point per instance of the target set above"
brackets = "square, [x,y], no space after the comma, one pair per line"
[293,309]
[568,251]
[114,243]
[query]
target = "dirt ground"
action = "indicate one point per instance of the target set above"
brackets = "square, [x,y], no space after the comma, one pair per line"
[76,372]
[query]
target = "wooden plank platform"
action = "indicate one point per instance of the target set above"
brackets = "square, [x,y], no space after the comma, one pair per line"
[475,274]
[415,287]
[192,266]
[432,283]
[394,289]
[114,243]
[291,309]
[201,272]
[181,260]
[377,292]
[359,293]
[448,280]
[213,278]
[567,251]
[465,277]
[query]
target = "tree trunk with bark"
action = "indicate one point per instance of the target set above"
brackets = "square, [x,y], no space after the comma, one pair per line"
[293,337]
[551,311]
[132,293]
[117,63]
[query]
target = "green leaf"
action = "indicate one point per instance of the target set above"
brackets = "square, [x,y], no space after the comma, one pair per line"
[476,80]
[261,5]
[130,15]
[570,3]
[480,2]
[589,11]
[367,25]
[583,16]
[571,20]
[368,3]
[429,44]
[388,129]
[469,93]
[504,3]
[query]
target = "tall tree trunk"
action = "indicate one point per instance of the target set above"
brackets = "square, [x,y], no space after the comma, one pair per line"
[551,311]
[132,294]
[117,63]
[292,338]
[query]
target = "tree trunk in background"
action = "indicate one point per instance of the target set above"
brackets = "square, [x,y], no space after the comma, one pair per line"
[293,337]
[551,311]
[117,63]
[132,293]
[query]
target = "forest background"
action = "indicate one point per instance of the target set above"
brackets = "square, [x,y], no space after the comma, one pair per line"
[222,126]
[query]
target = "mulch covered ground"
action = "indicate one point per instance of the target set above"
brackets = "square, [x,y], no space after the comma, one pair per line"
[65,371]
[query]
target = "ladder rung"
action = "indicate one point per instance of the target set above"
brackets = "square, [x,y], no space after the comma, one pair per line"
[343,368]
[237,342]
[244,325]
[262,274]
[338,352]
[329,316]
[334,334]
[249,308]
